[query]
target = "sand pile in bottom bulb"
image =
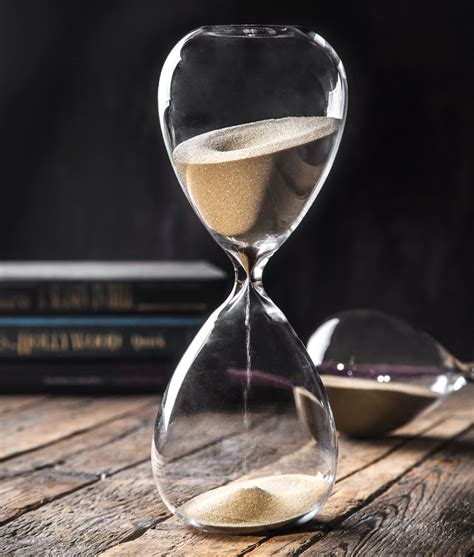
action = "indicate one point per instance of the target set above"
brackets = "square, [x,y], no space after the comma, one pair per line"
[261,503]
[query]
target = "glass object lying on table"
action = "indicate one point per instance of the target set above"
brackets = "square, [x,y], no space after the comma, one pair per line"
[379,372]
[252,117]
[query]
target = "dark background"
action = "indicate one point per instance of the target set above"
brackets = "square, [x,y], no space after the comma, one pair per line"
[84,174]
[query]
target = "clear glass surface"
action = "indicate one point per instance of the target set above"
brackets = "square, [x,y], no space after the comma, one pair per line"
[380,372]
[252,117]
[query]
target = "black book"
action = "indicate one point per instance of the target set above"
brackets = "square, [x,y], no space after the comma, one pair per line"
[92,377]
[97,336]
[84,287]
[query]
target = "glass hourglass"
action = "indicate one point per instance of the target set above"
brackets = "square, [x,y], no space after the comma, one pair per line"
[252,117]
[379,372]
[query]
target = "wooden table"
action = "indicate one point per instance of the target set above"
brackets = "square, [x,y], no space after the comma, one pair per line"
[76,480]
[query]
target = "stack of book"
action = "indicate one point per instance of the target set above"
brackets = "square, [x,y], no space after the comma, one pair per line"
[100,327]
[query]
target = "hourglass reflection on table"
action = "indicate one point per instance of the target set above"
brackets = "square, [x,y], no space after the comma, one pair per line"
[252,117]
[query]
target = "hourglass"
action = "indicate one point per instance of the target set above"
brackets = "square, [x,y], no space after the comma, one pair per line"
[252,117]
[380,372]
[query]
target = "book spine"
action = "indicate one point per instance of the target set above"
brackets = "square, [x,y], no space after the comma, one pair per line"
[38,338]
[110,297]
[96,377]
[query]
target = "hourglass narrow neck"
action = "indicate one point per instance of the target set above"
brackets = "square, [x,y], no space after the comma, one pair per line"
[249,269]
[248,286]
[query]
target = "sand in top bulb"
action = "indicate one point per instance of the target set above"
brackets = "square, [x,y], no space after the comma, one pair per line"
[254,179]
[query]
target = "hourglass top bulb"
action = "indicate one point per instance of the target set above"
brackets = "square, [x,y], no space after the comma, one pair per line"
[250,140]
[379,372]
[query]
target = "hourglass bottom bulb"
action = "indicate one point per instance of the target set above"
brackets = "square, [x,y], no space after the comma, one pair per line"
[258,504]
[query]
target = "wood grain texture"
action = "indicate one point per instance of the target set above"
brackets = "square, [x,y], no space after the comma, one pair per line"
[13,402]
[24,493]
[100,452]
[89,520]
[59,417]
[171,538]
[348,495]
[435,499]
[74,445]
[38,477]
[116,507]
[358,490]
[63,507]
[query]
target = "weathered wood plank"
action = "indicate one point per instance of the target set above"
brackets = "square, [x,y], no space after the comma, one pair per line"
[88,457]
[83,522]
[172,538]
[431,508]
[13,402]
[85,442]
[356,491]
[23,493]
[59,417]
[356,454]
[138,505]
[192,437]
[126,502]
[105,451]
[460,403]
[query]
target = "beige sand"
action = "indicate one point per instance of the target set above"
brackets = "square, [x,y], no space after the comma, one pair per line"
[258,504]
[365,407]
[255,178]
